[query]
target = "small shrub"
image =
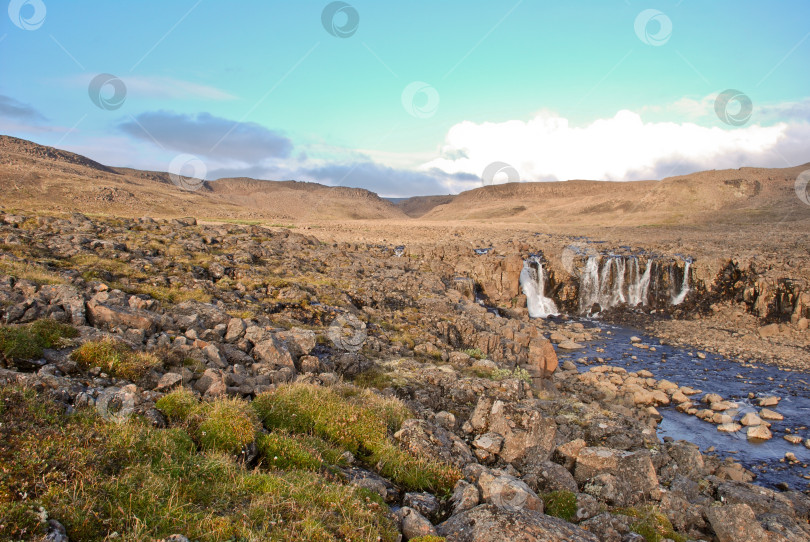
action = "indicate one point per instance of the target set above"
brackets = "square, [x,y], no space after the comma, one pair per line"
[178,405]
[145,483]
[474,353]
[517,372]
[115,358]
[561,504]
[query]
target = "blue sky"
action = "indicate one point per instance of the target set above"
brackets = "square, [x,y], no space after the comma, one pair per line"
[408,98]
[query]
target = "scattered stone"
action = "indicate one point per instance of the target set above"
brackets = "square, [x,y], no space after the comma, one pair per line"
[767,414]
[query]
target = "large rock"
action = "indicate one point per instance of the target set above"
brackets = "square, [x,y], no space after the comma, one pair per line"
[300,342]
[413,524]
[273,353]
[527,434]
[429,440]
[120,317]
[69,298]
[634,478]
[542,358]
[508,492]
[488,523]
[735,523]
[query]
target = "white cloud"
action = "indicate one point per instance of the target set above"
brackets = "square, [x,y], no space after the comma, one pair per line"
[171,88]
[624,147]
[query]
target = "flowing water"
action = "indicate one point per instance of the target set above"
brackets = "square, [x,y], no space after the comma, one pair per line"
[533,283]
[733,381]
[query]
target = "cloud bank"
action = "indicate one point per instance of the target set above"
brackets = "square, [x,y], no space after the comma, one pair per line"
[624,147]
[205,135]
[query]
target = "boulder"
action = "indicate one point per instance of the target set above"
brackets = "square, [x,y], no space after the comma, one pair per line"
[547,476]
[542,358]
[120,317]
[413,524]
[488,523]
[465,496]
[527,434]
[634,473]
[735,523]
[429,440]
[273,353]
[300,342]
[508,492]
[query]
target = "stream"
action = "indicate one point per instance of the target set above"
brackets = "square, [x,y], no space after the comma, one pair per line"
[733,381]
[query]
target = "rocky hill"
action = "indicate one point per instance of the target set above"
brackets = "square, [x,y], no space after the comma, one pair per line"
[743,196]
[37,177]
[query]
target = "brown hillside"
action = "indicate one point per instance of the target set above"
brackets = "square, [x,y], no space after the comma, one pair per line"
[38,177]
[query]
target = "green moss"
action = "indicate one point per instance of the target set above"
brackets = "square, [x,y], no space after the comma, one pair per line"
[115,358]
[429,538]
[145,484]
[651,524]
[561,504]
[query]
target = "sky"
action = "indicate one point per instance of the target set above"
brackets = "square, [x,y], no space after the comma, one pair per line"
[412,98]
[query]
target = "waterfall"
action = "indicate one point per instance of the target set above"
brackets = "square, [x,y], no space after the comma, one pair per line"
[638,287]
[533,282]
[612,281]
[589,284]
[680,296]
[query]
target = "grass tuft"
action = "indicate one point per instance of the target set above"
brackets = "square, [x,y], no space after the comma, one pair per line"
[561,504]
[178,405]
[115,358]
[29,341]
[358,421]
[227,425]
[135,482]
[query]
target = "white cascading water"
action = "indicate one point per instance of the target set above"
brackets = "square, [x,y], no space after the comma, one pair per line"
[614,283]
[678,298]
[533,283]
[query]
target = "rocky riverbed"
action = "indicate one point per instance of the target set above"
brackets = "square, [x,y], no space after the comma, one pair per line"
[535,451]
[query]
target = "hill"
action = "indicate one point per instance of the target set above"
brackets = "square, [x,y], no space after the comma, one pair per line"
[37,177]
